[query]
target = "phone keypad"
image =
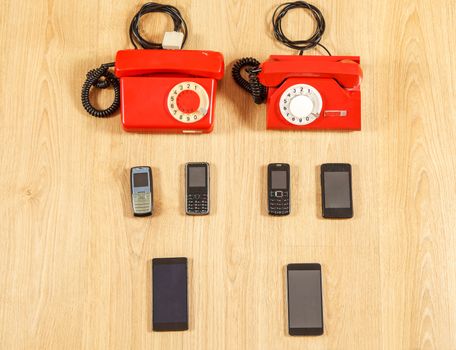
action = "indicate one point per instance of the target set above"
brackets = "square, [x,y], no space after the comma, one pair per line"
[142,203]
[197,204]
[279,203]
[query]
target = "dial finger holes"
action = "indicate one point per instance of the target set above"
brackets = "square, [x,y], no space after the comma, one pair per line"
[300,104]
[188,102]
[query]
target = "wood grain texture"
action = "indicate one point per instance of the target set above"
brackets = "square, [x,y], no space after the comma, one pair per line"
[74,263]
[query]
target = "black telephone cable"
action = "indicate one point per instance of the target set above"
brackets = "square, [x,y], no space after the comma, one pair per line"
[300,45]
[253,86]
[150,7]
[103,77]
[251,66]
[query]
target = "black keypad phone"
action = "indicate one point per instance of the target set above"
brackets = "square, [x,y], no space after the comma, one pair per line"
[279,189]
[197,189]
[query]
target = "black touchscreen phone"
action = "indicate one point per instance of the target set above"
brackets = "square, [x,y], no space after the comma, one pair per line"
[170,308]
[305,301]
[336,191]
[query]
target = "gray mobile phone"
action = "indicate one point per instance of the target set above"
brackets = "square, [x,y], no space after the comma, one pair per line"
[141,190]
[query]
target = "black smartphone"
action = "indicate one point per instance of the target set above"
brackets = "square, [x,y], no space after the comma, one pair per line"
[169,294]
[197,188]
[141,190]
[336,191]
[305,301]
[279,189]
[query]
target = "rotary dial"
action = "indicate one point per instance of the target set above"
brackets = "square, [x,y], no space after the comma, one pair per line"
[188,102]
[301,104]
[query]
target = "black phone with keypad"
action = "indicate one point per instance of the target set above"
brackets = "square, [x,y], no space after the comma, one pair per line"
[279,189]
[197,189]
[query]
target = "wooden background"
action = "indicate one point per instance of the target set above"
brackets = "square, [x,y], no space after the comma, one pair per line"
[75,265]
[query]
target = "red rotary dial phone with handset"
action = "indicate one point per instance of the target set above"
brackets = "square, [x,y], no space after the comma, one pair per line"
[168,91]
[160,90]
[304,92]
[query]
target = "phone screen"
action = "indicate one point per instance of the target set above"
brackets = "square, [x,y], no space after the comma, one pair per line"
[141,179]
[196,176]
[278,180]
[337,189]
[170,310]
[305,309]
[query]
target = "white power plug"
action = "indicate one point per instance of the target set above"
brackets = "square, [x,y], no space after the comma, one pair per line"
[173,40]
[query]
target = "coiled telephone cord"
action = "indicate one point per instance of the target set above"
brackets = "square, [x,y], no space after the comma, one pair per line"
[253,85]
[102,77]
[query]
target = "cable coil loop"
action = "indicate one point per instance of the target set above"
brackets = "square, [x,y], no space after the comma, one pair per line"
[150,7]
[300,45]
[251,66]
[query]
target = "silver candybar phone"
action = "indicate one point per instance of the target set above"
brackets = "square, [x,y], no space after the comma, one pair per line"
[141,190]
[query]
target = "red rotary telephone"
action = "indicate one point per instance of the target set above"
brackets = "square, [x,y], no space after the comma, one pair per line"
[160,90]
[304,92]
[312,92]
[168,91]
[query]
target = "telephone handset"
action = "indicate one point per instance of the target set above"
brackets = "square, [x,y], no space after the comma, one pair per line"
[160,90]
[304,92]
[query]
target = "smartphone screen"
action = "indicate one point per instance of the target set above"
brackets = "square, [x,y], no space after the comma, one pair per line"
[305,306]
[170,309]
[336,191]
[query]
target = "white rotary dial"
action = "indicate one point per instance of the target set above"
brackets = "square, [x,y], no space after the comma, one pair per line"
[188,102]
[301,104]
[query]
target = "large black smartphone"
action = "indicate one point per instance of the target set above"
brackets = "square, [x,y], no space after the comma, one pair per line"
[336,191]
[197,188]
[305,301]
[170,305]
[279,189]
